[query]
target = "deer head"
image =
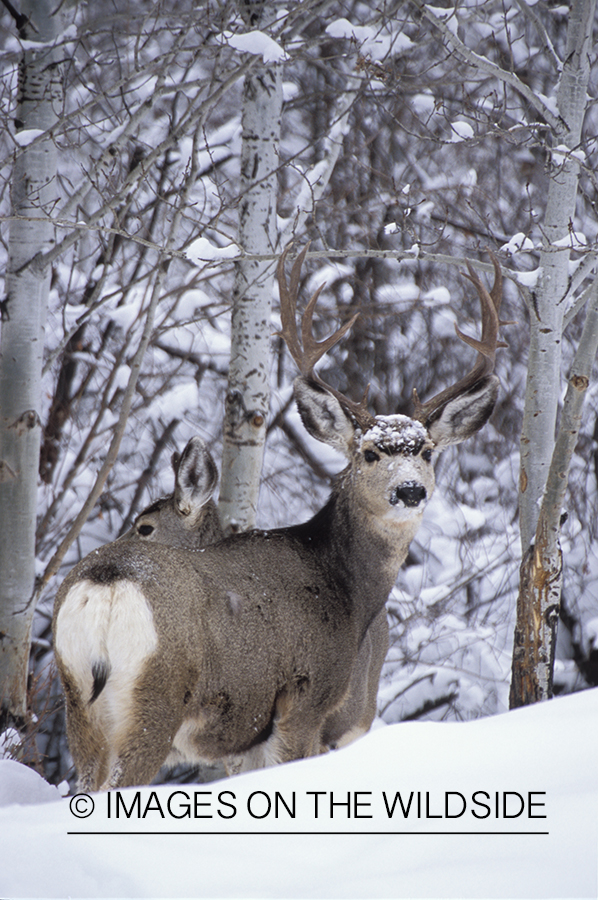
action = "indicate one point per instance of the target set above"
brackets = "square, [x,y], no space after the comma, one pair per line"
[188,517]
[390,457]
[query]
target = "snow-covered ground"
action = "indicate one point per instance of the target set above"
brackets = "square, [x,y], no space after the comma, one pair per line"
[411,810]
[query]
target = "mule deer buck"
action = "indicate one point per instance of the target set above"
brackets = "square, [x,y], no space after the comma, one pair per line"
[250,649]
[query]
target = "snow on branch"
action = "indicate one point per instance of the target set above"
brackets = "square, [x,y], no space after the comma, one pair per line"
[27,136]
[201,250]
[257,43]
[374,42]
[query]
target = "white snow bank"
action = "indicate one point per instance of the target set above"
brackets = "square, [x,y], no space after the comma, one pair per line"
[23,786]
[411,810]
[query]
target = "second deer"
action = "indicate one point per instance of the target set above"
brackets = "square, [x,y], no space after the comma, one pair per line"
[249,649]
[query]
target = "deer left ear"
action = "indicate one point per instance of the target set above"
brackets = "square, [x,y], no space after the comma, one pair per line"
[462,416]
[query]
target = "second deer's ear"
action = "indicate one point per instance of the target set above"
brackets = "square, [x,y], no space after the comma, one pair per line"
[196,477]
[462,416]
[323,416]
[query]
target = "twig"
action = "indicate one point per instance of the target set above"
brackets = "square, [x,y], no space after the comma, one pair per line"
[113,449]
[490,68]
[20,19]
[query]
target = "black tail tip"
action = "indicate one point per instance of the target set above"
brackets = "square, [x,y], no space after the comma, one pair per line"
[100,671]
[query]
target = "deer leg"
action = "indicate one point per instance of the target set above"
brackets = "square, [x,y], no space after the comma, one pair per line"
[140,753]
[141,750]
[295,734]
[86,739]
[296,728]
[355,715]
[143,734]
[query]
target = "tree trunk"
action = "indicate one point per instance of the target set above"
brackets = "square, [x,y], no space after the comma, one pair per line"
[546,311]
[34,194]
[545,461]
[248,393]
[541,574]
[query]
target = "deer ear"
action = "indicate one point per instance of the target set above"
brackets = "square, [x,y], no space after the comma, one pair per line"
[462,416]
[323,416]
[196,477]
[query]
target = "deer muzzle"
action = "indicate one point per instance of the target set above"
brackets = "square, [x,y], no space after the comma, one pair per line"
[410,493]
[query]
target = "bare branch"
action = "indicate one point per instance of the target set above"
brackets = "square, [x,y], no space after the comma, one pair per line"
[586,269]
[119,430]
[319,176]
[192,120]
[528,11]
[490,68]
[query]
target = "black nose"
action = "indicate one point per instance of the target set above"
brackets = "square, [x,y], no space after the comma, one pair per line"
[410,493]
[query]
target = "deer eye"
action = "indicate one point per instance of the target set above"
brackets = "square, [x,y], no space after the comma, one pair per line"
[145,530]
[370,456]
[427,455]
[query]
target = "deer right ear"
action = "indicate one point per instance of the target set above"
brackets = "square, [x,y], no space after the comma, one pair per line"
[323,416]
[462,416]
[196,477]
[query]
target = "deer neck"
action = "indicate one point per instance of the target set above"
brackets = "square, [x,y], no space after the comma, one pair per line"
[211,530]
[358,552]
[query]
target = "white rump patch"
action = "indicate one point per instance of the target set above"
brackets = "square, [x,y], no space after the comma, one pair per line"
[112,624]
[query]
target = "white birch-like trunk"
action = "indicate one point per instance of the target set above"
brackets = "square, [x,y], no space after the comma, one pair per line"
[541,572]
[248,393]
[546,310]
[545,456]
[21,352]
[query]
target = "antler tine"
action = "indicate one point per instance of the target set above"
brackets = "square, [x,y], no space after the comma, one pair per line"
[288,304]
[490,302]
[486,346]
[315,350]
[307,351]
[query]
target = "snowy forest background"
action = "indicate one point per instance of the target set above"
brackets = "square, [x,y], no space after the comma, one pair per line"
[399,156]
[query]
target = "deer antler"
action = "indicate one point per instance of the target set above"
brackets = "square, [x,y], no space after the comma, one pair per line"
[306,351]
[486,346]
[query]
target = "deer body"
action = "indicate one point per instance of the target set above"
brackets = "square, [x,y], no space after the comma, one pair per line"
[266,646]
[260,656]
